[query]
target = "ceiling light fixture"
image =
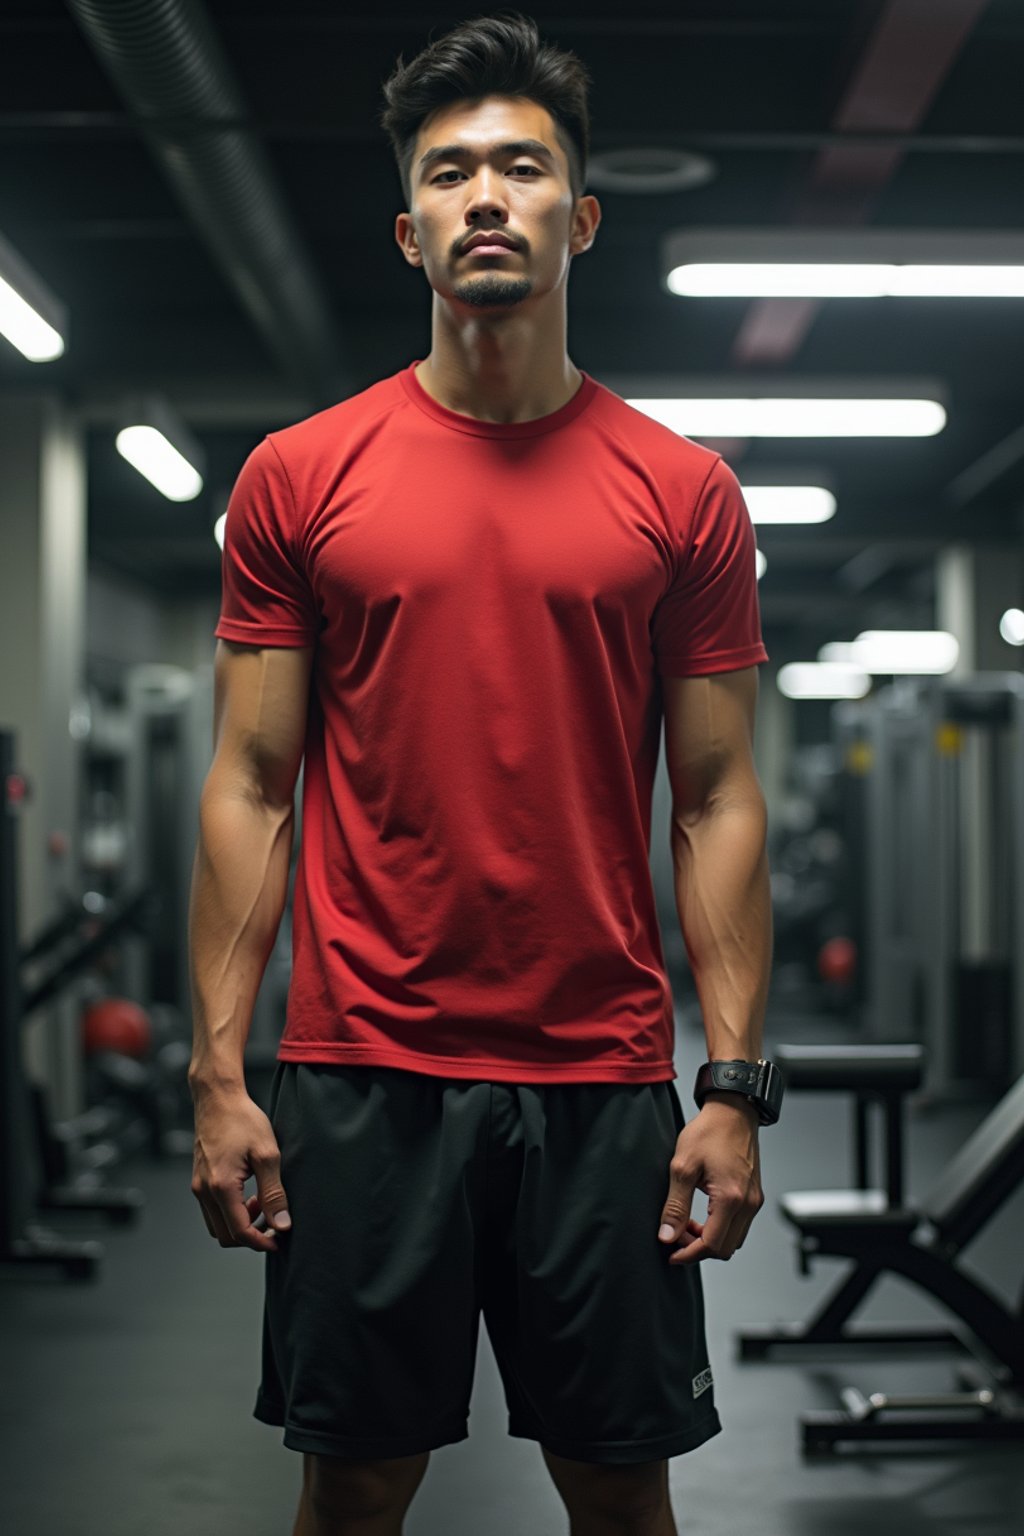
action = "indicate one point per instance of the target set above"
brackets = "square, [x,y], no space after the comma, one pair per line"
[843,263]
[31,317]
[822,680]
[1011,626]
[889,652]
[795,416]
[648,170]
[789,503]
[155,441]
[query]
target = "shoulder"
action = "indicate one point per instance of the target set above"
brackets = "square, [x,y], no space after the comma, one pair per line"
[332,428]
[667,453]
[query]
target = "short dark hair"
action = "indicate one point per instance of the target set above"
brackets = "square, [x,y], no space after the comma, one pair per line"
[498,55]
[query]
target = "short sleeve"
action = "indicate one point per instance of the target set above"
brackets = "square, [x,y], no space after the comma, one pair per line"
[266,596]
[709,620]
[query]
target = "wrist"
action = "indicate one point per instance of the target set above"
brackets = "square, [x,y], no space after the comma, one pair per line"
[734,1101]
[206,1080]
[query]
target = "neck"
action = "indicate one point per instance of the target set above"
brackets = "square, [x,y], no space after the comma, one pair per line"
[505,370]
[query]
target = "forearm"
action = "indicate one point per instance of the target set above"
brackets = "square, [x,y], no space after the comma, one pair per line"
[239,889]
[723,898]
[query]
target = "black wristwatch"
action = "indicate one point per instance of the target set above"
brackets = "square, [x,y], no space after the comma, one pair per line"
[759,1081]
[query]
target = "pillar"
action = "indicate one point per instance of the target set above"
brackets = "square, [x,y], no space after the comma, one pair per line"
[42,613]
[974,586]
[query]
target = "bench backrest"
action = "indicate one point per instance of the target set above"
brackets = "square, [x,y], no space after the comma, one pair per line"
[986,1170]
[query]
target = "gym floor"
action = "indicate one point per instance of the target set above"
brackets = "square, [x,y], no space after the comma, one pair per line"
[129,1400]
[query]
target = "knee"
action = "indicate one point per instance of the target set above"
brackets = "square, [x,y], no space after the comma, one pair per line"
[627,1496]
[341,1490]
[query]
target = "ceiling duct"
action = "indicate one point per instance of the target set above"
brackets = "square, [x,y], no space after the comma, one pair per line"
[167,64]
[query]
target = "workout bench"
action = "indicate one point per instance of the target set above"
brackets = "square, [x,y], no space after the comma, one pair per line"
[880,1233]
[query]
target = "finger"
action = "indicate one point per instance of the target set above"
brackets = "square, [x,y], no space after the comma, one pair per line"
[709,1244]
[214,1220]
[206,1217]
[696,1253]
[721,1227]
[691,1232]
[238,1217]
[260,1221]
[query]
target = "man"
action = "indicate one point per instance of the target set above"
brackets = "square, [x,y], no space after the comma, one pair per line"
[469,595]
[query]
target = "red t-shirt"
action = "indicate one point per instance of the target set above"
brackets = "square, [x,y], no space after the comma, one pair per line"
[491,606]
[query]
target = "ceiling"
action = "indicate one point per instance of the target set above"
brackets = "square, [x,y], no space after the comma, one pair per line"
[853,112]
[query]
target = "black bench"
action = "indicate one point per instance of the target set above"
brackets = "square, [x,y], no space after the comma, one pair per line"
[875,1229]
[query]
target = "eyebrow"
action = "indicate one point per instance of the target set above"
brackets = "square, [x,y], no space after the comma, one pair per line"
[463,152]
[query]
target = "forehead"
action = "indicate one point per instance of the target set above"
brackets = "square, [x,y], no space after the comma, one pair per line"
[485,121]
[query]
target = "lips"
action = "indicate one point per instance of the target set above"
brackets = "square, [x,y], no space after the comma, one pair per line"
[492,239]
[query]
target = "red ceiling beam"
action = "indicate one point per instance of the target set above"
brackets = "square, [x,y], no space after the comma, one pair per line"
[907,58]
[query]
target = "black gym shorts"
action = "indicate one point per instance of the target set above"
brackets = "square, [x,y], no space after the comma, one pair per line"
[417,1202]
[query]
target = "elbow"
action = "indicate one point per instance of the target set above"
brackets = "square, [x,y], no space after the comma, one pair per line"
[737,797]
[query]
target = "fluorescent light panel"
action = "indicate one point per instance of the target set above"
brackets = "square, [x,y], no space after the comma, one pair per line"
[148,451]
[157,443]
[31,317]
[822,680]
[789,503]
[778,416]
[1011,626]
[888,652]
[834,280]
[844,263]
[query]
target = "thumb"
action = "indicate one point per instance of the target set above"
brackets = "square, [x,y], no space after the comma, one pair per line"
[272,1198]
[676,1210]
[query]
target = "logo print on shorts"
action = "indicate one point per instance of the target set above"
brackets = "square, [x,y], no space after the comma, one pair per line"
[702,1382]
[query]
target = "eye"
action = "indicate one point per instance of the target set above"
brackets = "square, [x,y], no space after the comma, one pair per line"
[535,170]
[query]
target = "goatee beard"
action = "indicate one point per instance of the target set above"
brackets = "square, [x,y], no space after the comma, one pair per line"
[494,288]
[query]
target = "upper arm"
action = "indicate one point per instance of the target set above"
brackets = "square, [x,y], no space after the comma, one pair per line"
[261,702]
[709,738]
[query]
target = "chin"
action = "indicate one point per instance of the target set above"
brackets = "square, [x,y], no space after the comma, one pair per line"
[493,291]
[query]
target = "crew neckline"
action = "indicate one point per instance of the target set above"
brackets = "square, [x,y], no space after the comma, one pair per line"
[505,429]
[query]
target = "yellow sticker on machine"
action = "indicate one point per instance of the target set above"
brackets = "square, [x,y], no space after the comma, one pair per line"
[859,757]
[949,739]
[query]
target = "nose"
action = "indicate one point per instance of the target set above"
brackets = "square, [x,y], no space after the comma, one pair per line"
[487,197]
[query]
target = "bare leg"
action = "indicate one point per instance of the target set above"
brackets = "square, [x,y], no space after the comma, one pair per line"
[613,1500]
[357,1499]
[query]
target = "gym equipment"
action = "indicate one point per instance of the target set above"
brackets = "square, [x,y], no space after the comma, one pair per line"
[809,864]
[881,1234]
[116,1024]
[837,960]
[934,793]
[24,1187]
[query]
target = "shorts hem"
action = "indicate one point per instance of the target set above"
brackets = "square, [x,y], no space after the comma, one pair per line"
[622,1452]
[383,1447]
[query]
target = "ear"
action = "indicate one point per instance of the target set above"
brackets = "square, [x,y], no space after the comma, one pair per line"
[585,220]
[405,235]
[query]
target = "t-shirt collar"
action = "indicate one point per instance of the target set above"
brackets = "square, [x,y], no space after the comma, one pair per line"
[503,429]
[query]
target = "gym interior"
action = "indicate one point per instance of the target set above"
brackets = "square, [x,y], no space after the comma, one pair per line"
[196,213]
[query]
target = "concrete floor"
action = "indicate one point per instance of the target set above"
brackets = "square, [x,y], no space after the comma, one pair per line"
[128,1402]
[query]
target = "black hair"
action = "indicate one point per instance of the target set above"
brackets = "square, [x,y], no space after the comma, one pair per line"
[500,55]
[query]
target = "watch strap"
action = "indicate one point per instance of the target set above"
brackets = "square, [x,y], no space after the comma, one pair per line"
[758,1081]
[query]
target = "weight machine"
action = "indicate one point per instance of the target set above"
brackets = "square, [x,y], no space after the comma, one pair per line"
[27,1158]
[934,770]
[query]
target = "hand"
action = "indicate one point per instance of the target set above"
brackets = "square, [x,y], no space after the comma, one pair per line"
[717,1152]
[234,1140]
